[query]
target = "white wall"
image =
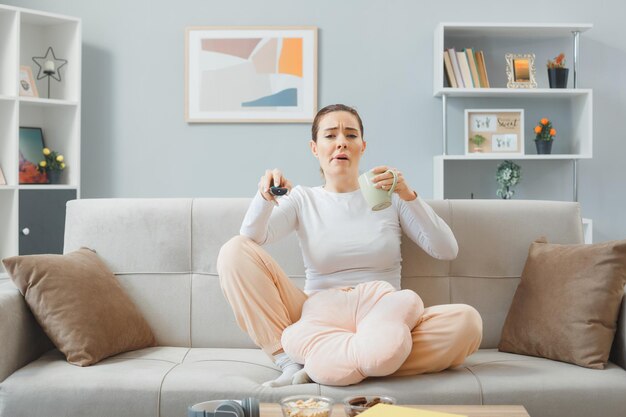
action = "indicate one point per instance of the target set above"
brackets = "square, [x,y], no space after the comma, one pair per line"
[375,55]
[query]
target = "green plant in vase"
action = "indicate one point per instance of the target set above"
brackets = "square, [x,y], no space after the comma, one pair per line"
[478,140]
[52,165]
[508,175]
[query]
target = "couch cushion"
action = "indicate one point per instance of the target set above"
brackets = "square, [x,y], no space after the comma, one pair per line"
[548,388]
[346,335]
[128,385]
[567,303]
[80,305]
[115,386]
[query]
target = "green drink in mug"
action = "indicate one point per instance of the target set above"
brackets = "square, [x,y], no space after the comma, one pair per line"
[377,198]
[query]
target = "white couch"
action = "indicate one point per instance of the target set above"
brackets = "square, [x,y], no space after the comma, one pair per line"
[164,251]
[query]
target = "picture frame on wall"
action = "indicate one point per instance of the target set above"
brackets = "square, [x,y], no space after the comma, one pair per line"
[494,131]
[520,71]
[28,88]
[31,146]
[252,74]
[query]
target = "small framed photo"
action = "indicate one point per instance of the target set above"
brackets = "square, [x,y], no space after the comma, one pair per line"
[28,88]
[31,153]
[250,74]
[520,71]
[494,131]
[3,180]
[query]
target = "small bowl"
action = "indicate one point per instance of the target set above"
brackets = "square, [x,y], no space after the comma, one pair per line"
[306,406]
[358,403]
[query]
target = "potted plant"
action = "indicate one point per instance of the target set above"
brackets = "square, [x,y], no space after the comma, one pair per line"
[478,140]
[508,175]
[557,73]
[52,165]
[545,134]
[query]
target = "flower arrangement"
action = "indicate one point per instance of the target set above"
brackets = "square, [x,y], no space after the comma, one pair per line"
[558,62]
[52,162]
[545,131]
[507,175]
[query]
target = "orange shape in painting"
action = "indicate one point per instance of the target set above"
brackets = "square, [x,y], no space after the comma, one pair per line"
[290,61]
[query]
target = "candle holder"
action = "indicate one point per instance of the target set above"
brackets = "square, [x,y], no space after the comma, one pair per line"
[49,66]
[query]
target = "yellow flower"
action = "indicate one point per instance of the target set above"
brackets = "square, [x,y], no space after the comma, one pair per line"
[552,132]
[43,164]
[46,151]
[544,121]
[60,158]
[62,165]
[537,129]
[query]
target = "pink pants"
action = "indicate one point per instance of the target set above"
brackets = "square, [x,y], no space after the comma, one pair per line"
[265,301]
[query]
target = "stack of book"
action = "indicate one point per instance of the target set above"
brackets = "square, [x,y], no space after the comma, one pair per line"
[465,69]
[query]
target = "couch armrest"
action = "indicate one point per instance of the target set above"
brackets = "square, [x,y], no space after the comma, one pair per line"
[618,351]
[22,338]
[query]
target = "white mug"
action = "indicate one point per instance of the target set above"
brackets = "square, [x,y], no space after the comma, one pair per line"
[377,198]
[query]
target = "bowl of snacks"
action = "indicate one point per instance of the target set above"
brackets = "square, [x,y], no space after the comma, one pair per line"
[357,404]
[306,406]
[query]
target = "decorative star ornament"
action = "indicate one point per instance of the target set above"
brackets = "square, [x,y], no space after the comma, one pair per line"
[44,70]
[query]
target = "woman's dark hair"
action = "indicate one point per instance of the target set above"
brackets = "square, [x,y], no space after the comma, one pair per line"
[333,108]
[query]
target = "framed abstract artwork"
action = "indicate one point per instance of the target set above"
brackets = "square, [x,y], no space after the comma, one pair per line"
[31,153]
[250,74]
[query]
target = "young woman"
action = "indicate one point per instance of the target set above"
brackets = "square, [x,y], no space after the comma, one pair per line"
[343,243]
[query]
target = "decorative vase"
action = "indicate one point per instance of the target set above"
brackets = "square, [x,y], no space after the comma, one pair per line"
[544,147]
[54,177]
[557,77]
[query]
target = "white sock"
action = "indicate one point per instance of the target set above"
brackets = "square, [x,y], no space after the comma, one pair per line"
[293,373]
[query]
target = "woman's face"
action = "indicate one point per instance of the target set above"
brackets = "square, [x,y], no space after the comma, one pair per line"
[339,144]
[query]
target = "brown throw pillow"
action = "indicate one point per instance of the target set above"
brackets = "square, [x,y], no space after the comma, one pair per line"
[80,305]
[566,305]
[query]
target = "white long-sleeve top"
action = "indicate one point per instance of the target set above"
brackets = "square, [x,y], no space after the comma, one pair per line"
[343,241]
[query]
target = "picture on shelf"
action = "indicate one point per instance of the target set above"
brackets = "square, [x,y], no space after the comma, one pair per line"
[3,180]
[520,71]
[499,131]
[31,153]
[28,88]
[250,74]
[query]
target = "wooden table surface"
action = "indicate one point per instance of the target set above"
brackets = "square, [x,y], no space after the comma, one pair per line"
[273,410]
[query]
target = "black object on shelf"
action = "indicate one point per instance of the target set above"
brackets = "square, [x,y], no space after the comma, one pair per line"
[49,66]
[557,77]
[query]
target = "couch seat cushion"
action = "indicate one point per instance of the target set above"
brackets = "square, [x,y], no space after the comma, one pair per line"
[548,388]
[163,381]
[117,386]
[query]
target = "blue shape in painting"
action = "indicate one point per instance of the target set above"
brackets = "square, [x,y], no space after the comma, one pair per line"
[285,98]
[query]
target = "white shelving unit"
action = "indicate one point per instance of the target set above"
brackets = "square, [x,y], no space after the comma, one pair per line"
[24,34]
[497,39]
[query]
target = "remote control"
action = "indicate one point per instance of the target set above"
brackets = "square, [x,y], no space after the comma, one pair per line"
[278,191]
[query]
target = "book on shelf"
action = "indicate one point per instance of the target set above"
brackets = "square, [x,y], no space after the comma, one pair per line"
[469,52]
[465,70]
[449,71]
[456,68]
[482,69]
